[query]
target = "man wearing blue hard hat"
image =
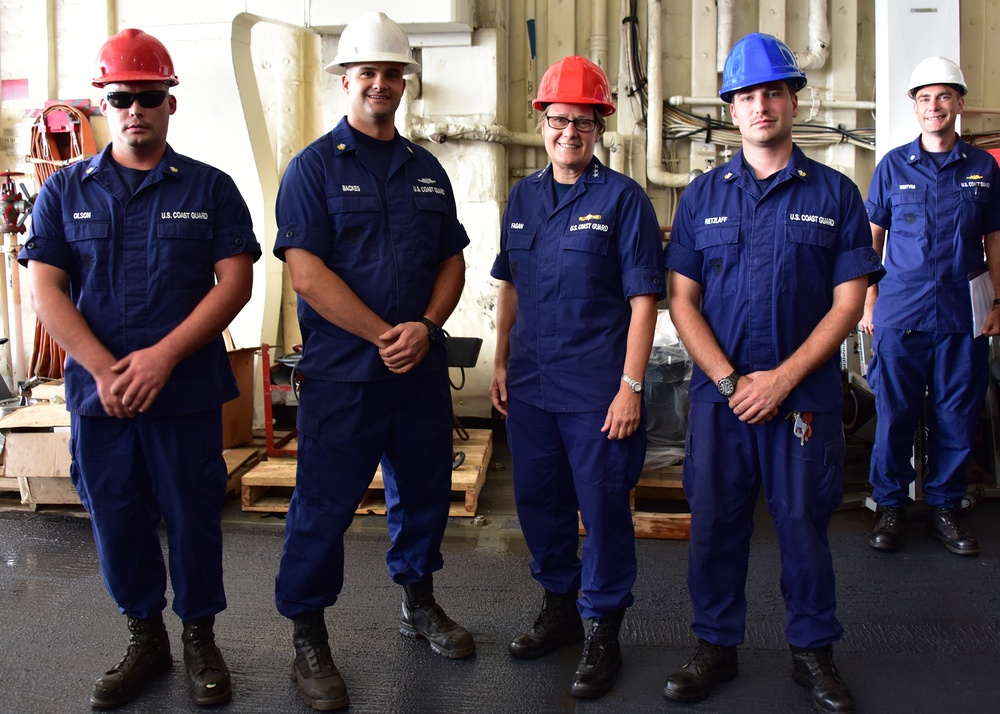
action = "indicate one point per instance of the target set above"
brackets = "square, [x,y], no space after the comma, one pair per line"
[770,256]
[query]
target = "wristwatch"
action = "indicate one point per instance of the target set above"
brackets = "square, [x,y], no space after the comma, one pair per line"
[727,385]
[434,333]
[634,385]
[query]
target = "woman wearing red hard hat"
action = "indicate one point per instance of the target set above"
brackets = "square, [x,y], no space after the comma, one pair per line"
[580,271]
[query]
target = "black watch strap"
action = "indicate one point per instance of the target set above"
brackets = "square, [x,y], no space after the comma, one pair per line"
[434,333]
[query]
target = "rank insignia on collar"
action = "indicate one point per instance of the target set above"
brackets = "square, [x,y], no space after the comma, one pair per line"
[597,171]
[90,170]
[174,169]
[341,147]
[728,175]
[802,173]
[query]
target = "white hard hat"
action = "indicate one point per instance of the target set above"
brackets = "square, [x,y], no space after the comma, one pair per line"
[373,37]
[937,70]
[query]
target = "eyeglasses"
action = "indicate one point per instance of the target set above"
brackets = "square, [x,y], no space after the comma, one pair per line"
[582,125]
[148,99]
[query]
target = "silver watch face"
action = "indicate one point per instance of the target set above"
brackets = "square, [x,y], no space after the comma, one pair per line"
[636,387]
[727,385]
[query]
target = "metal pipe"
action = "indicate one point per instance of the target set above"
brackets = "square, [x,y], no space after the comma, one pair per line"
[654,122]
[617,150]
[819,37]
[599,34]
[724,31]
[440,131]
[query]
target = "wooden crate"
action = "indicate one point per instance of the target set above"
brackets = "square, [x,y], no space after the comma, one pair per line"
[268,486]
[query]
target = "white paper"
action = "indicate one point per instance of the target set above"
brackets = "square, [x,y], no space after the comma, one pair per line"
[982,295]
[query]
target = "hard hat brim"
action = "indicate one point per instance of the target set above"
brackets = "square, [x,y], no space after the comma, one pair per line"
[339,65]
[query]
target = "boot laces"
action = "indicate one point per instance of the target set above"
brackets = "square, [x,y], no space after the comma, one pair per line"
[438,617]
[550,616]
[203,656]
[892,517]
[134,648]
[702,652]
[593,651]
[318,657]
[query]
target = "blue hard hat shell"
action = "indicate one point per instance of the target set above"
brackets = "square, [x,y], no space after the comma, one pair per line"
[756,59]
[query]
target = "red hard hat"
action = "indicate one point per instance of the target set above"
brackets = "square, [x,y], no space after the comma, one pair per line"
[133,56]
[575,80]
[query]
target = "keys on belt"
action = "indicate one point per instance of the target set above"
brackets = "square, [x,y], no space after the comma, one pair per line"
[801,425]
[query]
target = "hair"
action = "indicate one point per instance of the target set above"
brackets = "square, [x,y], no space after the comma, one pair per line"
[602,123]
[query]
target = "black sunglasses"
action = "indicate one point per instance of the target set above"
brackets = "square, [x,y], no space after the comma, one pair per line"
[148,99]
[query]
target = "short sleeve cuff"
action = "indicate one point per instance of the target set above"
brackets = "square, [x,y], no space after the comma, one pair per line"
[236,243]
[501,268]
[43,250]
[299,235]
[855,263]
[877,215]
[685,261]
[644,281]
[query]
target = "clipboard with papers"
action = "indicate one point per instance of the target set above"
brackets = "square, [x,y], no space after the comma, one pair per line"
[981,295]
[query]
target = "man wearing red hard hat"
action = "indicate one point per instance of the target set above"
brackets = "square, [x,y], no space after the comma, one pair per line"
[137,261]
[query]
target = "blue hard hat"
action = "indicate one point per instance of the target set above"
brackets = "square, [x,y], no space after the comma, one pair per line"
[756,59]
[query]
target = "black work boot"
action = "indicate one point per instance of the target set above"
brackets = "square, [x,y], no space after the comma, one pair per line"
[207,673]
[941,525]
[814,668]
[601,658]
[423,617]
[557,624]
[709,665]
[319,680]
[146,658]
[888,532]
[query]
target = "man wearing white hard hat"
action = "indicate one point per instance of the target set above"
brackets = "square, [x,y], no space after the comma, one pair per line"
[367,225]
[931,202]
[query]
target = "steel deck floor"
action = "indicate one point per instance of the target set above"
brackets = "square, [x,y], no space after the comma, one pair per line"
[922,625]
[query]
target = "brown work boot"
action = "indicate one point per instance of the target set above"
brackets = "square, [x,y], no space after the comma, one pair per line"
[146,658]
[423,618]
[558,624]
[313,669]
[207,674]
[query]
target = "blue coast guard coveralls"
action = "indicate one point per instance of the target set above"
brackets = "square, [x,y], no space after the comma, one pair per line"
[767,265]
[574,266]
[386,240]
[138,265]
[923,343]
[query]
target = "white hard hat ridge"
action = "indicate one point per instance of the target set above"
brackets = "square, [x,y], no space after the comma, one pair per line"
[373,37]
[937,70]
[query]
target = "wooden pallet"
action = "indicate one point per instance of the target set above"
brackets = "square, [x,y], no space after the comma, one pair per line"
[238,462]
[659,509]
[268,486]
